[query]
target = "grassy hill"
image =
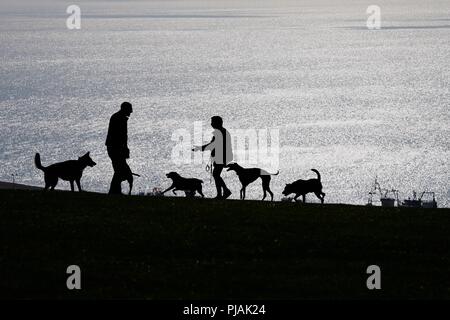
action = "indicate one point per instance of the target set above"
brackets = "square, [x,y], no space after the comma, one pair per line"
[177,248]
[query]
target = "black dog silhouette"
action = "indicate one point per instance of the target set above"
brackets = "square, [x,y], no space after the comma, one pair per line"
[302,187]
[188,185]
[248,175]
[70,170]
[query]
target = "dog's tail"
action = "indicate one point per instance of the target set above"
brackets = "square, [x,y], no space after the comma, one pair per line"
[266,173]
[135,174]
[318,174]
[37,162]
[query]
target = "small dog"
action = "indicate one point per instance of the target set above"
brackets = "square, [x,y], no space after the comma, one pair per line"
[302,187]
[70,170]
[188,185]
[248,175]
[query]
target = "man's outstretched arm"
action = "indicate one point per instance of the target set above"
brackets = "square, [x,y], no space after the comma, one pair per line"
[205,147]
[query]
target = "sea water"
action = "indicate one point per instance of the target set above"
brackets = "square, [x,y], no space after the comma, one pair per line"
[351,102]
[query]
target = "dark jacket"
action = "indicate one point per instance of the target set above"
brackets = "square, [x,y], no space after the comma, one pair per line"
[117,131]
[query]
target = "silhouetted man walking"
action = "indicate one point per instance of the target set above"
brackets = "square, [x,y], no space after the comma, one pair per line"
[117,146]
[221,153]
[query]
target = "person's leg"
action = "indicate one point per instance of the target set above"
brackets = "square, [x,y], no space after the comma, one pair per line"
[226,191]
[115,187]
[127,175]
[222,190]
[217,170]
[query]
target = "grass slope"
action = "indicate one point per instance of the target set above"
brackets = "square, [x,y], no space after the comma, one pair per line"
[177,248]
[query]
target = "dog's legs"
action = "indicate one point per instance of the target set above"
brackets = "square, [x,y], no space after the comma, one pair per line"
[264,189]
[72,188]
[199,190]
[319,195]
[240,193]
[49,182]
[304,198]
[266,186]
[243,192]
[53,184]
[130,182]
[271,194]
[169,188]
[78,185]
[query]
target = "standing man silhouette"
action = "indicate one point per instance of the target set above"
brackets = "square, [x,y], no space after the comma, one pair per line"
[117,146]
[221,154]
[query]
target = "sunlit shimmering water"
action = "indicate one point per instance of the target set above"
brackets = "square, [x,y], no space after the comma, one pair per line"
[348,101]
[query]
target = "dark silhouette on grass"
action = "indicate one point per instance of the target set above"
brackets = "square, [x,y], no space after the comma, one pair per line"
[188,185]
[221,154]
[70,170]
[302,187]
[117,146]
[127,175]
[248,175]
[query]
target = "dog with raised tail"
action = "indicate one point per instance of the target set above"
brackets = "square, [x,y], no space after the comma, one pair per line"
[249,175]
[303,187]
[70,170]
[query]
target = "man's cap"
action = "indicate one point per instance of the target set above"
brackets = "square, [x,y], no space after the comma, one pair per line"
[126,106]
